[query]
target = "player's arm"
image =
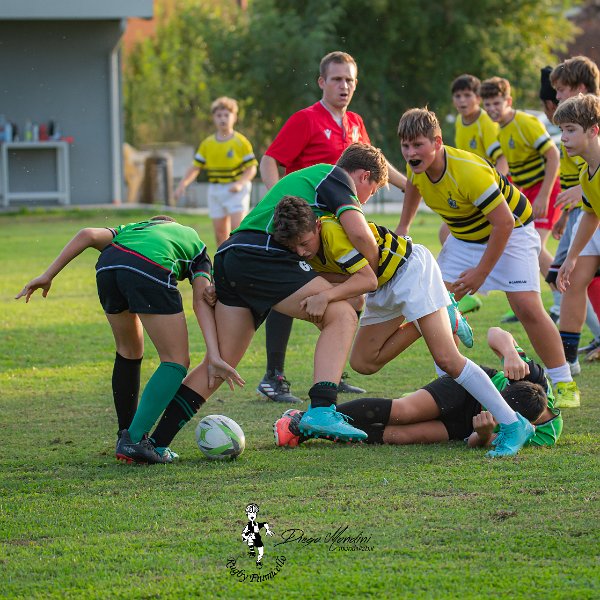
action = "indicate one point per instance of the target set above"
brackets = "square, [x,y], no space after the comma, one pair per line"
[395,177]
[90,237]
[587,227]
[504,345]
[502,165]
[360,236]
[269,171]
[540,204]
[189,176]
[483,430]
[412,198]
[205,314]
[360,282]
[246,177]
[569,197]
[471,280]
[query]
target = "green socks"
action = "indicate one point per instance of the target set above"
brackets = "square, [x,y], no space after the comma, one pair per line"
[159,391]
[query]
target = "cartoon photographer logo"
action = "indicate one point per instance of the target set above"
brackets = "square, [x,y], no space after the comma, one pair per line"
[251,534]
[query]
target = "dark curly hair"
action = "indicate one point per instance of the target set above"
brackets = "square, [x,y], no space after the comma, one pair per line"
[293,217]
[527,398]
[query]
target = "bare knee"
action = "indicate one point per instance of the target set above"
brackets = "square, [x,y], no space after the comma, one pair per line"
[341,313]
[452,363]
[130,349]
[361,365]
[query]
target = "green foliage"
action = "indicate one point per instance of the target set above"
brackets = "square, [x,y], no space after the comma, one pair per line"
[268,56]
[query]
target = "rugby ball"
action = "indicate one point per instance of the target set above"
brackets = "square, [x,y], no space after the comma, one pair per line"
[219,437]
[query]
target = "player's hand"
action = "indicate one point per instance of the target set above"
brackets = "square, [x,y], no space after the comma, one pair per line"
[564,275]
[515,368]
[569,197]
[219,369]
[315,307]
[179,191]
[483,425]
[540,207]
[559,227]
[269,532]
[235,187]
[42,282]
[468,282]
[210,295]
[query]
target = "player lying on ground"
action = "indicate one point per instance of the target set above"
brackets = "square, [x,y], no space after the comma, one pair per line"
[443,410]
[409,287]
[137,274]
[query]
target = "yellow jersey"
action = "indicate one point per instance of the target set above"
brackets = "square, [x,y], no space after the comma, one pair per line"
[480,137]
[570,169]
[590,185]
[225,161]
[467,191]
[338,255]
[524,140]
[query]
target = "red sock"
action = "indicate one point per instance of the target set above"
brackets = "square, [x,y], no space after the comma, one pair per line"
[594,295]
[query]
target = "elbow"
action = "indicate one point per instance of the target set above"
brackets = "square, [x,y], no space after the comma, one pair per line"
[372,283]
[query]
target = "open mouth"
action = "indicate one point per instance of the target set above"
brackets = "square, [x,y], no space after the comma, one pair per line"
[415,162]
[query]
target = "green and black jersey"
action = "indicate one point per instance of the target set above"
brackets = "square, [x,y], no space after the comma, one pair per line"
[163,251]
[328,189]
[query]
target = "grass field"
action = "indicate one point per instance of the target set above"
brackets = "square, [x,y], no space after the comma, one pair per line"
[436,521]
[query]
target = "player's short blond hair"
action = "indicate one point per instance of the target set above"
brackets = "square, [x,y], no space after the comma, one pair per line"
[495,86]
[416,122]
[583,109]
[224,103]
[576,71]
[338,57]
[364,156]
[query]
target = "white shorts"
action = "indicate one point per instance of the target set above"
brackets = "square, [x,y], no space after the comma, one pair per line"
[415,290]
[222,202]
[592,248]
[517,270]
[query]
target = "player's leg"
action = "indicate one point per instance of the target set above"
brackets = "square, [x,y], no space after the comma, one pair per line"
[545,258]
[376,345]
[438,337]
[236,218]
[235,329]
[222,229]
[337,326]
[426,432]
[129,342]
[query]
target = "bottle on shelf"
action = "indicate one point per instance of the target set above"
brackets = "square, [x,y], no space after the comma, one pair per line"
[28,131]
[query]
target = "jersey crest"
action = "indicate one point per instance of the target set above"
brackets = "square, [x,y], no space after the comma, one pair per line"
[327,133]
[473,143]
[230,153]
[451,202]
[355,133]
[511,143]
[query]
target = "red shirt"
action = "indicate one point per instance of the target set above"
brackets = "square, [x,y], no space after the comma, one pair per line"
[312,136]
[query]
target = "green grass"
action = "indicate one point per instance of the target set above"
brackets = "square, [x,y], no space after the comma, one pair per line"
[443,521]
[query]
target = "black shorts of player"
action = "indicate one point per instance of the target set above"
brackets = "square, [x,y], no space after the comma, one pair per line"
[258,279]
[457,406]
[121,289]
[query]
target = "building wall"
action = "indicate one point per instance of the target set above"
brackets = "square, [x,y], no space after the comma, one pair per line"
[61,70]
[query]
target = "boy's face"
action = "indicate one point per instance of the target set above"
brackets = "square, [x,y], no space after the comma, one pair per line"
[338,85]
[574,138]
[365,187]
[549,109]
[420,152]
[498,107]
[224,119]
[566,91]
[466,102]
[307,245]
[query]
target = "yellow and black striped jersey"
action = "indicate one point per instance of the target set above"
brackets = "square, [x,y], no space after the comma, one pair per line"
[468,190]
[480,137]
[338,255]
[570,168]
[225,161]
[524,140]
[590,185]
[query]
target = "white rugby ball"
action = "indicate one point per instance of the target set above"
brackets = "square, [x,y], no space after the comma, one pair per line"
[219,437]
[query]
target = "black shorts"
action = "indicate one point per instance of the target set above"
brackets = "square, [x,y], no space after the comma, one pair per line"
[258,279]
[121,289]
[457,406]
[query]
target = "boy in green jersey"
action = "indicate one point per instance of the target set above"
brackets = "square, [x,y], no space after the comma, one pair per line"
[137,274]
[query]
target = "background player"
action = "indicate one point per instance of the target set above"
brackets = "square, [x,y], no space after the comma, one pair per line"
[230,165]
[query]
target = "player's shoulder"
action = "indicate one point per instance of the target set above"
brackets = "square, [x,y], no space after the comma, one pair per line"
[463,160]
[240,137]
